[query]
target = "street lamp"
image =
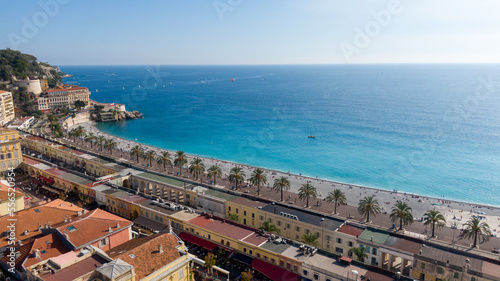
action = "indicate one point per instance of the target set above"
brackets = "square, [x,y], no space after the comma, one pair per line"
[454,225]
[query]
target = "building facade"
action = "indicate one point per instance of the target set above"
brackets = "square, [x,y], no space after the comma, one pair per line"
[10,150]
[62,97]
[6,107]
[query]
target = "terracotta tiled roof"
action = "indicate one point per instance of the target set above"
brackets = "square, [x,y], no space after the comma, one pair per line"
[351,230]
[2,91]
[62,205]
[24,251]
[76,270]
[146,249]
[31,161]
[29,219]
[201,221]
[66,89]
[221,226]
[53,248]
[4,192]
[92,226]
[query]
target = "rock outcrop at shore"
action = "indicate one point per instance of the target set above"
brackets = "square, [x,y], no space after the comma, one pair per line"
[109,116]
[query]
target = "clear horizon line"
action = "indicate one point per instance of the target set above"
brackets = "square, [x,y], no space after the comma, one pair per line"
[288,64]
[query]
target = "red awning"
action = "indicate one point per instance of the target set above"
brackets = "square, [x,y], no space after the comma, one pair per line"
[198,241]
[45,179]
[345,259]
[274,272]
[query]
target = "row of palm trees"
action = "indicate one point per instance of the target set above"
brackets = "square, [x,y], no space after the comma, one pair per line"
[104,143]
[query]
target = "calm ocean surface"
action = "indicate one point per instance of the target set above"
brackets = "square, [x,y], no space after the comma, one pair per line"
[425,129]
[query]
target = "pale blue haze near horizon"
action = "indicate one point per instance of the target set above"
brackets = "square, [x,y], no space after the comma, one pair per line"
[250,32]
[417,128]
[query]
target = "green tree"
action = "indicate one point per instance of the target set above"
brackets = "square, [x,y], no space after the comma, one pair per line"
[137,151]
[210,260]
[236,175]
[90,138]
[246,276]
[197,167]
[150,156]
[337,197]
[79,104]
[214,171]
[402,212]
[164,159]
[110,144]
[258,177]
[310,239]
[369,206]
[98,108]
[234,217]
[180,160]
[268,227]
[477,229]
[307,191]
[434,218]
[101,140]
[360,253]
[280,184]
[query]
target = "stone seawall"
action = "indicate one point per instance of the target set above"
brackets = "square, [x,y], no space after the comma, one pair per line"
[80,118]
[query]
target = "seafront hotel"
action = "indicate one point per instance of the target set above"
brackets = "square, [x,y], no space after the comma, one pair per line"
[200,216]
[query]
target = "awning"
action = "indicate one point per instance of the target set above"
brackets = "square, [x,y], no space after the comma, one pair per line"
[198,241]
[47,180]
[243,258]
[151,224]
[345,259]
[273,272]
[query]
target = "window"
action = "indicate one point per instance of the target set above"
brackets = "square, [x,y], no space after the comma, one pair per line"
[273,261]
[295,268]
[307,231]
[282,263]
[265,258]
[350,244]
[250,252]
[473,279]
[229,208]
[253,216]
[209,237]
[374,261]
[328,238]
[317,234]
[288,265]
[374,251]
[15,154]
[261,218]
[339,240]
[287,225]
[9,155]
[423,266]
[257,255]
[368,249]
[296,237]
[278,223]
[297,228]
[103,242]
[316,276]
[440,270]
[244,250]
[304,272]
[339,250]
[270,221]
[244,213]
[236,210]
[455,275]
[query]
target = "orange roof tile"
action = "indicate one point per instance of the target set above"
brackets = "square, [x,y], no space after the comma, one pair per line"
[62,205]
[92,226]
[53,248]
[4,192]
[146,249]
[66,89]
[29,219]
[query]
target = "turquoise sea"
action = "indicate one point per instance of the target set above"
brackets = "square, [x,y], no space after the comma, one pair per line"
[421,128]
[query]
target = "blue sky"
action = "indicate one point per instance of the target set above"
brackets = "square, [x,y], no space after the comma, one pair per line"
[95,32]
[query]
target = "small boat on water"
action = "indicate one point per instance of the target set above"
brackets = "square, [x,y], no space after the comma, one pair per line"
[311,137]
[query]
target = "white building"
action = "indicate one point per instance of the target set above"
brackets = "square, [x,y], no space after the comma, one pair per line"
[32,86]
[6,107]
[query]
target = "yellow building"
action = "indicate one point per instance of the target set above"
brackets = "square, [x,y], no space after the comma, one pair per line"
[10,149]
[6,107]
[10,201]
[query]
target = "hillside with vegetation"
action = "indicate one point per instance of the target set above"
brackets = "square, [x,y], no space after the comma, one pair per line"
[24,65]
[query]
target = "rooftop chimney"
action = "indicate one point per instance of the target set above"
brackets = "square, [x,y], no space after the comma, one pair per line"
[110,230]
[160,249]
[117,225]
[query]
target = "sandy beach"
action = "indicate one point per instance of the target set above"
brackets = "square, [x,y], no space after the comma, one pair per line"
[454,211]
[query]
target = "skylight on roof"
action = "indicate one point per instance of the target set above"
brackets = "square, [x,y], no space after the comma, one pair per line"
[131,256]
[71,228]
[36,210]
[43,252]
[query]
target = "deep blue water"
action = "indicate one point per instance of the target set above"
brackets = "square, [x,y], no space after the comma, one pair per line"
[427,129]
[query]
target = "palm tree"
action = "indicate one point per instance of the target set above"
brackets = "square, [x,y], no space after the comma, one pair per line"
[402,212]
[110,144]
[90,138]
[360,253]
[307,191]
[310,239]
[236,175]
[137,151]
[72,133]
[258,177]
[101,140]
[338,197]
[197,167]
[214,171]
[180,160]
[475,228]
[280,184]
[164,158]
[210,260]
[435,218]
[368,206]
[150,155]
[268,227]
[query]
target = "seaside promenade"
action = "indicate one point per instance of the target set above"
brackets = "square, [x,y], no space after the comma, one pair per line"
[420,204]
